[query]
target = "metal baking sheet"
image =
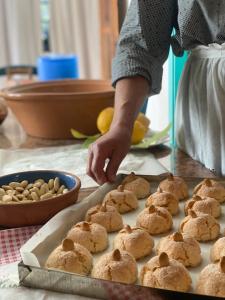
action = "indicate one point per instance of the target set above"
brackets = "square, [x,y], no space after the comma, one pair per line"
[68,283]
[36,251]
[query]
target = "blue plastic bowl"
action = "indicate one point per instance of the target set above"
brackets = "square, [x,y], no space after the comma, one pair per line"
[37,213]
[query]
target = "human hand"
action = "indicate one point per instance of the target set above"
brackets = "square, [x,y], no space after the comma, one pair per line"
[114,146]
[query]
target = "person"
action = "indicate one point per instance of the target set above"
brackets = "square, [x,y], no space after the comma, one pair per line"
[150,27]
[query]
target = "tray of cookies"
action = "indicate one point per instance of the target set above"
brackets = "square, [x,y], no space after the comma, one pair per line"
[142,237]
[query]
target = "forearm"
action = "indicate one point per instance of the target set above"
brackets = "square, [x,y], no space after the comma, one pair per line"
[129,97]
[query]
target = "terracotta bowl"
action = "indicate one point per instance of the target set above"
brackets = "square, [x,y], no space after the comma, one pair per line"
[50,109]
[3,112]
[37,213]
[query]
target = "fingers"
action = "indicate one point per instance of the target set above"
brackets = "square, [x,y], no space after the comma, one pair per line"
[89,164]
[113,165]
[113,146]
[96,164]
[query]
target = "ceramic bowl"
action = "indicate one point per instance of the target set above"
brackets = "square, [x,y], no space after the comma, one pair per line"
[50,109]
[39,212]
[3,111]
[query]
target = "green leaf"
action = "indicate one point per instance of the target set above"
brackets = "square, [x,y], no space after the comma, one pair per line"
[152,140]
[90,140]
[146,143]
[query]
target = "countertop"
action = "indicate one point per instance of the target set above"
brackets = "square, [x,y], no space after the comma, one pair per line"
[13,136]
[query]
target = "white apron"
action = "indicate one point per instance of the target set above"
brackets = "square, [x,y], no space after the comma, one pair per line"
[200,111]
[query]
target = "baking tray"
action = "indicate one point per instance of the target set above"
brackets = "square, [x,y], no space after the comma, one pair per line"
[63,282]
[36,250]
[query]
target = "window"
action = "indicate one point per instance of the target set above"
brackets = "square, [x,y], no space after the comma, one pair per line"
[45,23]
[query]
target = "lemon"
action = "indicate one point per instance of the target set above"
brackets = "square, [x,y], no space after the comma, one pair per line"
[141,124]
[104,119]
[143,120]
[138,133]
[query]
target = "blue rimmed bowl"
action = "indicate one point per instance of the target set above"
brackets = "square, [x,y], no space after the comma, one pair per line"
[39,212]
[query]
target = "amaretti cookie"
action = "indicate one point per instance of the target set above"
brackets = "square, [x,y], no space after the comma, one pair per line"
[138,185]
[122,199]
[212,189]
[116,266]
[182,248]
[135,240]
[162,272]
[211,280]
[92,236]
[155,219]
[163,199]
[218,250]
[176,186]
[204,182]
[202,227]
[70,257]
[204,205]
[105,215]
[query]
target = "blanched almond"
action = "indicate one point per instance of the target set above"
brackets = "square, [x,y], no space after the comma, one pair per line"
[56,184]
[24,183]
[6,198]
[46,196]
[14,184]
[51,184]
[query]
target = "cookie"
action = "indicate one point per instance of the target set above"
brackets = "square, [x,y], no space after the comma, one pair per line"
[138,185]
[155,219]
[116,266]
[70,257]
[202,227]
[92,236]
[182,248]
[204,205]
[212,189]
[122,199]
[176,186]
[134,240]
[163,199]
[218,250]
[164,273]
[211,280]
[105,215]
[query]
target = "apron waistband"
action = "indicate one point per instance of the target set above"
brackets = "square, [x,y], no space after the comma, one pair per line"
[211,51]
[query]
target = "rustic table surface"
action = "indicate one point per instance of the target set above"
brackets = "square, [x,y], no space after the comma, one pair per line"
[13,136]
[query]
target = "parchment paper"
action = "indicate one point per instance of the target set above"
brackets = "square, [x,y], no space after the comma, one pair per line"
[37,249]
[72,159]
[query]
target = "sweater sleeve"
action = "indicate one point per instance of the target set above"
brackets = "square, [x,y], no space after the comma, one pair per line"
[144,41]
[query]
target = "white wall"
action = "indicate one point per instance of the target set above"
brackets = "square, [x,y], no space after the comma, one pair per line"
[158,105]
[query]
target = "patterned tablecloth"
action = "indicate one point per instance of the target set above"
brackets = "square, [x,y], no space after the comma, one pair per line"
[11,241]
